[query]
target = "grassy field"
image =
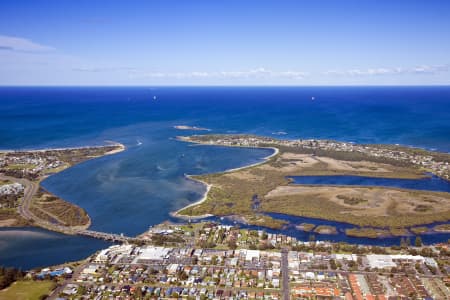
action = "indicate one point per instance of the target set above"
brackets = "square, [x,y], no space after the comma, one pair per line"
[384,207]
[308,227]
[3,182]
[367,232]
[21,166]
[325,229]
[419,230]
[27,290]
[232,193]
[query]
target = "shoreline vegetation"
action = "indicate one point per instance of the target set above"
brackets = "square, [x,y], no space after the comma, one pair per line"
[253,219]
[177,214]
[231,192]
[36,206]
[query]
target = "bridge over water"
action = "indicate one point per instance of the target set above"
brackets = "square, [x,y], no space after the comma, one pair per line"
[107,236]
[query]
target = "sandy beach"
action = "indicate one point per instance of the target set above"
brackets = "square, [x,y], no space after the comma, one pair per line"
[120,149]
[109,143]
[265,159]
[208,186]
[177,214]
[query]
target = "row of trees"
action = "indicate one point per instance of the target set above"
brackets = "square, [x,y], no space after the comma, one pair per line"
[8,276]
[406,242]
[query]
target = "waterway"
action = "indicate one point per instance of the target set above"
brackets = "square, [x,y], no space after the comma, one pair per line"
[137,188]
[429,183]
[27,247]
[293,221]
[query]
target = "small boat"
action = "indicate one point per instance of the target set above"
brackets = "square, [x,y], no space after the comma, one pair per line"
[313,98]
[154,97]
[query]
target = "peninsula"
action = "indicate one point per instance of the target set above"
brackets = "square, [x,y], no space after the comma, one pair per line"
[23,202]
[234,192]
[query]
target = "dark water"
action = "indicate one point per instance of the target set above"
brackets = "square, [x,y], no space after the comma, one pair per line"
[27,248]
[431,183]
[137,188]
[291,230]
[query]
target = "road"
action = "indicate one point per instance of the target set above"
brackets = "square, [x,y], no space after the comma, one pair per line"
[285,273]
[31,188]
[76,273]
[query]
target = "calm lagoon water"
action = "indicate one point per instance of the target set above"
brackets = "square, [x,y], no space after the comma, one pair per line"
[293,221]
[137,188]
[27,248]
[431,183]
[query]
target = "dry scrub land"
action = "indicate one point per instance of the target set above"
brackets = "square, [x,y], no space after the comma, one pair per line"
[54,210]
[231,193]
[36,206]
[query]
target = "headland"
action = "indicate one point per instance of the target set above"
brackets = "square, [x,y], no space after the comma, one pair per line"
[253,191]
[23,202]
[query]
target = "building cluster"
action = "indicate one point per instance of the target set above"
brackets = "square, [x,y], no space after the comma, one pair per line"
[26,164]
[9,194]
[153,272]
[312,276]
[212,234]
[49,273]
[438,167]
[216,234]
[188,273]
[11,189]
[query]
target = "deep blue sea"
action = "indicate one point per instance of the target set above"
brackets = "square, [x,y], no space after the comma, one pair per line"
[137,188]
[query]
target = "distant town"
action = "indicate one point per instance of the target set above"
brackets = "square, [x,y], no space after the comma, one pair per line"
[434,162]
[24,202]
[212,261]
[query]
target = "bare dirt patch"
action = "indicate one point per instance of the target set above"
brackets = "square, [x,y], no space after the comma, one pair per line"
[7,222]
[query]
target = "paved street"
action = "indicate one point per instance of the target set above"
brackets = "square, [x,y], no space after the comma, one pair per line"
[285,273]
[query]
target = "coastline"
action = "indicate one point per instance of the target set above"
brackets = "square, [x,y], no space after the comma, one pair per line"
[34,221]
[121,148]
[109,143]
[264,160]
[243,141]
[177,214]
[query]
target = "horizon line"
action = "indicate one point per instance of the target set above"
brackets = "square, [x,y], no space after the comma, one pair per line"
[226,86]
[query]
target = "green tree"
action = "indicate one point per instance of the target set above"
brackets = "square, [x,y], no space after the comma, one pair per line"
[232,244]
[402,243]
[418,241]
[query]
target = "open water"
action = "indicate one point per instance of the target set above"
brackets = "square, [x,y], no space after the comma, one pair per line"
[139,187]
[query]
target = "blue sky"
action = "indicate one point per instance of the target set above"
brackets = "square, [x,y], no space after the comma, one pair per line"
[224,42]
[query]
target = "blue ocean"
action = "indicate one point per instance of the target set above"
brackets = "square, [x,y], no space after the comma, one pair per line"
[132,190]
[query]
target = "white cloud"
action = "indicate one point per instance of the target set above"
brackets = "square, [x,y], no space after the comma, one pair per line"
[259,73]
[431,69]
[11,43]
[102,69]
[424,69]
